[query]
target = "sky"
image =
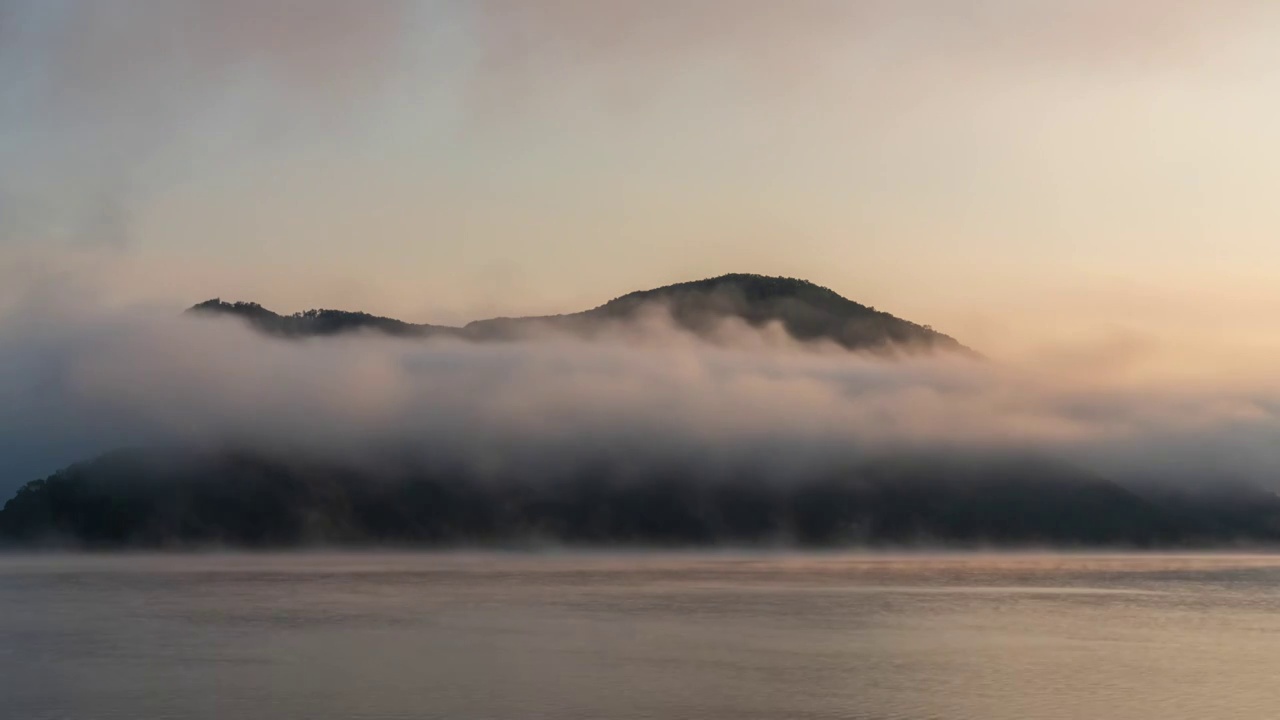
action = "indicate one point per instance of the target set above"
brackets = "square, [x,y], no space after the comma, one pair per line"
[1025,175]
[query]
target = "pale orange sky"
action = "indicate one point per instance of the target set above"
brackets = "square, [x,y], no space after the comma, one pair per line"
[1017,173]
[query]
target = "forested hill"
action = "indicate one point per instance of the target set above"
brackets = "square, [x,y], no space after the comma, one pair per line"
[806,311]
[175,498]
[311,322]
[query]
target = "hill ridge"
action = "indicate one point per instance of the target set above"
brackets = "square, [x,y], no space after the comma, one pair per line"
[806,310]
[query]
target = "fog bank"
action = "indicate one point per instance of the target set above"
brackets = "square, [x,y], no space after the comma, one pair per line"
[79,380]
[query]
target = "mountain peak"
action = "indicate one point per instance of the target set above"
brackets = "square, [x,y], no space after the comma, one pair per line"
[807,311]
[752,285]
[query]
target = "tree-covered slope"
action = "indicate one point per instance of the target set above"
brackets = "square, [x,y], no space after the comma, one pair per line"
[254,499]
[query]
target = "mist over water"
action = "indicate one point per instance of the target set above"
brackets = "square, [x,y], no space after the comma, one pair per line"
[707,636]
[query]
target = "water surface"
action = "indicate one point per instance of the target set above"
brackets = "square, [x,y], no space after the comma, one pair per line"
[731,636]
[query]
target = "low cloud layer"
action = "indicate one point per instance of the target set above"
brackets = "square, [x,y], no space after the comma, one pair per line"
[78,381]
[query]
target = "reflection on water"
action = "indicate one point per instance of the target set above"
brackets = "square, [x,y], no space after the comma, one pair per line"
[639,636]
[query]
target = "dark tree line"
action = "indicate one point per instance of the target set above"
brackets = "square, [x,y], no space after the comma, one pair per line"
[249,499]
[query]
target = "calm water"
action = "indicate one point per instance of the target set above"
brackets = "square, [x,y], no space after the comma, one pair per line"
[639,636]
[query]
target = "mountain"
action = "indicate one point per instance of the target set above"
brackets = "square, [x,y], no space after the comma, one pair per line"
[808,312]
[251,494]
[251,499]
